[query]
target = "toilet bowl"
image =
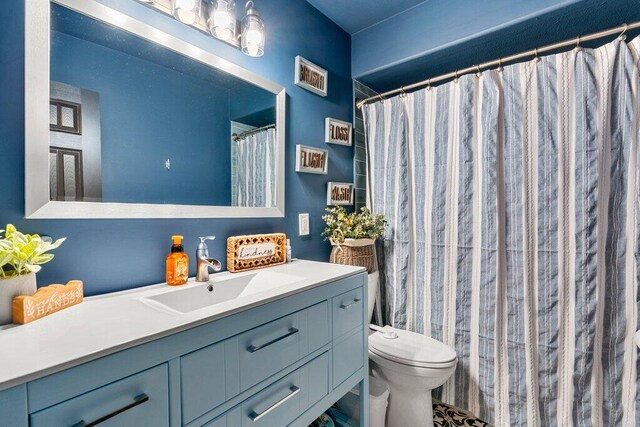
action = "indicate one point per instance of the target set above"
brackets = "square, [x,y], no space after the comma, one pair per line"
[412,365]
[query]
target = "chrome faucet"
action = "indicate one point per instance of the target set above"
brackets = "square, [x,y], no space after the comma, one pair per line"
[203,262]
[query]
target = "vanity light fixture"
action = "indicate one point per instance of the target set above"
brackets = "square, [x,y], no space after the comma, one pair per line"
[222,19]
[186,11]
[253,34]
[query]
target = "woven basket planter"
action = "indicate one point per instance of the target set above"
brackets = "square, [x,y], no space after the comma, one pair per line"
[358,252]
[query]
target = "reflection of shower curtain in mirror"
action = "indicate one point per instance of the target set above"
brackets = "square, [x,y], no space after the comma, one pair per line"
[514,233]
[255,170]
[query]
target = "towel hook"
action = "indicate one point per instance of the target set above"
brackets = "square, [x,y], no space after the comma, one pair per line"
[622,35]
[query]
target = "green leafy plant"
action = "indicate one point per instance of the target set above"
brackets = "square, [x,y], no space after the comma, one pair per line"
[22,254]
[356,225]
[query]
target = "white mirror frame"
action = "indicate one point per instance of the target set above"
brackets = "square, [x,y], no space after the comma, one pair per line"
[37,45]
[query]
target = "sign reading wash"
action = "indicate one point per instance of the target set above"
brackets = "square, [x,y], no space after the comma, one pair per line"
[311,77]
[339,193]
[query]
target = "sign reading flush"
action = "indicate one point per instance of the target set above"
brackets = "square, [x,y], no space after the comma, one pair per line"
[311,159]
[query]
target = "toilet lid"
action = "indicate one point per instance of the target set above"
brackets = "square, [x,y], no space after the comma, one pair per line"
[412,349]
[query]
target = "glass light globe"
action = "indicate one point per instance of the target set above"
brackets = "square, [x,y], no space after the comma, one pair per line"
[253,34]
[186,11]
[222,19]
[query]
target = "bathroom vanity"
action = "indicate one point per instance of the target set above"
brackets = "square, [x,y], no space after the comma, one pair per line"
[271,347]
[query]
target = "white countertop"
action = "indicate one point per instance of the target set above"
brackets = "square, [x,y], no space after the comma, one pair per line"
[109,323]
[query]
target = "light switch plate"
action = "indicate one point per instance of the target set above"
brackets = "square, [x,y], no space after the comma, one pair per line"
[303,224]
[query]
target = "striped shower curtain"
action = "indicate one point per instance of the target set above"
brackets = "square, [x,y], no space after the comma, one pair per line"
[255,169]
[513,201]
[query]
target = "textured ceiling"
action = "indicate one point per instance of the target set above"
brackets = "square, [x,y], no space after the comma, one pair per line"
[356,15]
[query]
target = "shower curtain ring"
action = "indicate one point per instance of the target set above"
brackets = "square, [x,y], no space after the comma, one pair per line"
[578,47]
[429,84]
[623,36]
[456,78]
[478,72]
[536,58]
[380,98]
[500,69]
[402,92]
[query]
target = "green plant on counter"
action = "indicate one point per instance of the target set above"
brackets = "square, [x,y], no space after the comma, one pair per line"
[342,225]
[22,254]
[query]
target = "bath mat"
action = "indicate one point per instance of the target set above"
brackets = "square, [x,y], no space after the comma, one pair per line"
[445,415]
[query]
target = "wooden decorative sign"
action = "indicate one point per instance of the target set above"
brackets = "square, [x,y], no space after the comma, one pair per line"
[311,77]
[46,301]
[337,132]
[339,193]
[311,159]
[256,251]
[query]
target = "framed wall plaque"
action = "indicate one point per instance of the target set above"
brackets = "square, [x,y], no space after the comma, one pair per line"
[339,194]
[311,77]
[337,132]
[311,160]
[255,251]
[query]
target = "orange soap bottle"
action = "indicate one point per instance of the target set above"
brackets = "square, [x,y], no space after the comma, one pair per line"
[177,263]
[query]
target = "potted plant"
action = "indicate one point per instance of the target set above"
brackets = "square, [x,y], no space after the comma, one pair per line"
[353,235]
[20,258]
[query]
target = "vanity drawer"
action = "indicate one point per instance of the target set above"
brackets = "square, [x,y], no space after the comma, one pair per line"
[141,399]
[348,356]
[288,398]
[269,348]
[347,311]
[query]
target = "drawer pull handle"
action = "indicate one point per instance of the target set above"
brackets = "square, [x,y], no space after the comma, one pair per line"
[255,416]
[253,348]
[138,400]
[347,306]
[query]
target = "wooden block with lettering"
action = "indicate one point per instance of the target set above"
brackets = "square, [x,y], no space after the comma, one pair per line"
[256,251]
[46,301]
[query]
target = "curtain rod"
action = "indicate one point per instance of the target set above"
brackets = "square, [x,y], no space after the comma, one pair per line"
[499,62]
[237,136]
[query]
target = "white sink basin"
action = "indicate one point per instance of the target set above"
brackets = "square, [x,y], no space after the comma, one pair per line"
[193,297]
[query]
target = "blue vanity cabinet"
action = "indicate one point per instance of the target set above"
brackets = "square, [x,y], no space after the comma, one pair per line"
[277,364]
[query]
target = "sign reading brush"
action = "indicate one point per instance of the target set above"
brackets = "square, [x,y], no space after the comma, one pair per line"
[311,77]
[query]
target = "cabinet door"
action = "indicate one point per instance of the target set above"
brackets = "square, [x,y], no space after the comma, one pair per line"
[203,381]
[139,400]
[347,312]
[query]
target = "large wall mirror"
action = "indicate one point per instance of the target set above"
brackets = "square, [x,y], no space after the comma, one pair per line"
[126,121]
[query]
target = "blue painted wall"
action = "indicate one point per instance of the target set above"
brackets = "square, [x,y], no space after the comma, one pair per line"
[147,113]
[117,254]
[436,37]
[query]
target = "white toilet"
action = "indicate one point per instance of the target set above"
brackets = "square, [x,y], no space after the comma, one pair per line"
[412,365]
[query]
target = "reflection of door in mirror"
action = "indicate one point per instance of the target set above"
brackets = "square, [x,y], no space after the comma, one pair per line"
[65,169]
[74,144]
